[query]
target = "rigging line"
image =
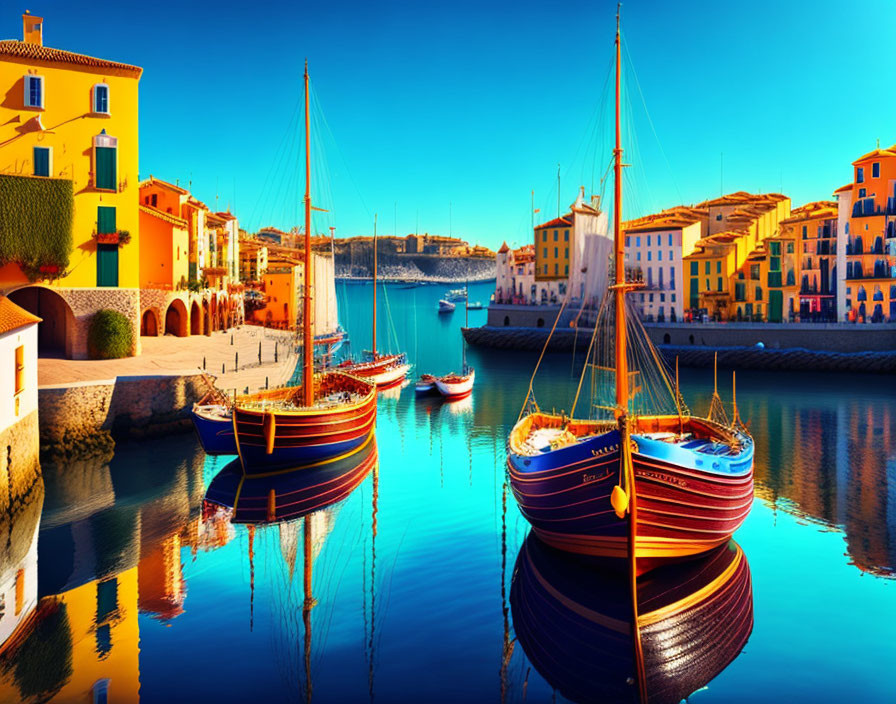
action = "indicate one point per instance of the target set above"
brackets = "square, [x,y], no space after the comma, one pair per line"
[585,368]
[634,73]
[541,356]
[345,164]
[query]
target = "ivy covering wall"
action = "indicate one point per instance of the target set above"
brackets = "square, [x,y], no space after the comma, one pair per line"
[36,219]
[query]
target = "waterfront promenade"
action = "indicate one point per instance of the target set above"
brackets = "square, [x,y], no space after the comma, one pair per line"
[169,355]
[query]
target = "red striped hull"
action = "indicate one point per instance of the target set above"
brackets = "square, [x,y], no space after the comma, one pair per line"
[681,512]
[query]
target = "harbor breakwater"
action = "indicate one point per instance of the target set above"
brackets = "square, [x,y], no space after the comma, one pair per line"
[418,267]
[88,416]
[772,355]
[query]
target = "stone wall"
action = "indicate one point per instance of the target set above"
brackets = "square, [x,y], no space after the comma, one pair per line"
[79,416]
[19,461]
[84,302]
[159,300]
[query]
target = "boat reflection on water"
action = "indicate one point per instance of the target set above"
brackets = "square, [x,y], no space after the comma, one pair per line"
[574,622]
[297,508]
[290,494]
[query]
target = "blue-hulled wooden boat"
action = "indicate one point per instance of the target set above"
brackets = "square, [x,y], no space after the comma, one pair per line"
[638,476]
[214,426]
[574,621]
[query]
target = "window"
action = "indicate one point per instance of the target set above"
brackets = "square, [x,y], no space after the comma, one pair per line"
[708,267]
[648,240]
[670,242]
[545,255]
[708,287]
[556,269]
[637,241]
[719,267]
[566,235]
[155,200]
[719,284]
[105,162]
[20,369]
[860,175]
[627,240]
[556,235]
[101,98]
[639,256]
[790,247]
[43,165]
[719,216]
[34,91]
[649,255]
[544,235]
[556,252]
[567,269]
[545,268]
[105,219]
[659,255]
[566,253]
[758,295]
[673,298]
[695,268]
[862,194]
[875,170]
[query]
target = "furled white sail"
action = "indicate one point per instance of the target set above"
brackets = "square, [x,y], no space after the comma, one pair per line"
[326,313]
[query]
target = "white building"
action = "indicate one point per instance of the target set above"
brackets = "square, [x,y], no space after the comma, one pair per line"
[18,362]
[844,211]
[655,246]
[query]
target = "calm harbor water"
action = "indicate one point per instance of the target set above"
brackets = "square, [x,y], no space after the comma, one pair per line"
[402,591]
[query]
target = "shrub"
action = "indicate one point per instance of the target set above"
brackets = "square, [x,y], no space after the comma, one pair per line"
[110,335]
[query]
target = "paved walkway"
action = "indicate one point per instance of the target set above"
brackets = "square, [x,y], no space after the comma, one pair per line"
[185,355]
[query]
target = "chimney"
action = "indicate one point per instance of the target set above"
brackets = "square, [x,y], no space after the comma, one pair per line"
[32,29]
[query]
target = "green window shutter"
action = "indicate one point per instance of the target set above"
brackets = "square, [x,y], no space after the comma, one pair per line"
[41,161]
[105,219]
[106,176]
[107,265]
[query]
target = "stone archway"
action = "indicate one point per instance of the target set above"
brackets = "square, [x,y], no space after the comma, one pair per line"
[57,329]
[195,319]
[149,324]
[176,318]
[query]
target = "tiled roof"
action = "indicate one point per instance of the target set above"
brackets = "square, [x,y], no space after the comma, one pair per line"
[565,221]
[671,219]
[847,187]
[167,217]
[809,211]
[504,248]
[743,198]
[13,317]
[36,52]
[153,181]
[877,154]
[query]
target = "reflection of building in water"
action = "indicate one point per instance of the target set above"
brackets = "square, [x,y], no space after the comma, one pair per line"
[109,546]
[80,643]
[841,469]
[18,564]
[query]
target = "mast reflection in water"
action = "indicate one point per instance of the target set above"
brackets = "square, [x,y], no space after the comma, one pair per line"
[574,622]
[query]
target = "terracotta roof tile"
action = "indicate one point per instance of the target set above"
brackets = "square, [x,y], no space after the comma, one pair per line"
[565,221]
[167,217]
[36,52]
[13,317]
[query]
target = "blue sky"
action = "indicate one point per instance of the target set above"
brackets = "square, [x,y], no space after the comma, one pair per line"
[449,114]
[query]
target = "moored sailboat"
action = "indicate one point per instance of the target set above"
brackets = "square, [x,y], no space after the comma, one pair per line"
[329,415]
[457,386]
[385,370]
[638,478]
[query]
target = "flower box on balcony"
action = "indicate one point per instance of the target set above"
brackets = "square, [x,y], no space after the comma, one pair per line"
[120,237]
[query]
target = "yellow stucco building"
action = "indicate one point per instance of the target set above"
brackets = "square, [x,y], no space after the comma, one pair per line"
[68,166]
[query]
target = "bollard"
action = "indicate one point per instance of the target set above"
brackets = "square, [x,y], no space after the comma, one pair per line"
[259,352]
[275,352]
[266,383]
[203,364]
[223,371]
[236,361]
[231,338]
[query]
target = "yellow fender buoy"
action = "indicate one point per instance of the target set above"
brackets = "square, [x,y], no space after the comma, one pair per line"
[269,427]
[619,501]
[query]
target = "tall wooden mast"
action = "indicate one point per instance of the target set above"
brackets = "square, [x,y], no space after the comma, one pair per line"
[619,242]
[308,323]
[373,338]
